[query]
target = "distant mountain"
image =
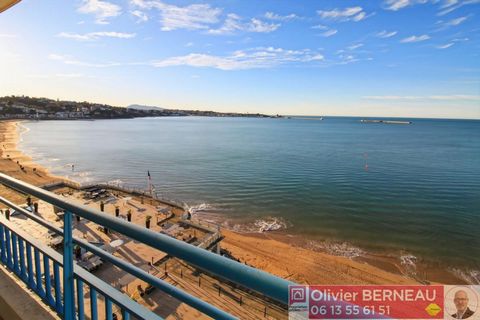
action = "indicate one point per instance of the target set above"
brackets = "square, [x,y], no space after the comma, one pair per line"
[141,107]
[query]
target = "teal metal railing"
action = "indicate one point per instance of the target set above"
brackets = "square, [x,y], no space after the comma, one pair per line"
[33,261]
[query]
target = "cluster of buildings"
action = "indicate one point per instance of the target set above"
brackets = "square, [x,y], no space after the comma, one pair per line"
[13,107]
[23,107]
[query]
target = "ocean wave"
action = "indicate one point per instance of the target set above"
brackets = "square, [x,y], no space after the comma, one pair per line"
[81,176]
[470,276]
[270,224]
[116,182]
[21,131]
[342,249]
[198,208]
[409,262]
[259,225]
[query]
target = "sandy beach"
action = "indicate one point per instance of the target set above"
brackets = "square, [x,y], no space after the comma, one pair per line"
[12,161]
[263,251]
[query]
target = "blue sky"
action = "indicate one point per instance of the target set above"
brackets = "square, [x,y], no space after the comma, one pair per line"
[416,58]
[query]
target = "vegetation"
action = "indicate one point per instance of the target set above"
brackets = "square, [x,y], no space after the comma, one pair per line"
[24,107]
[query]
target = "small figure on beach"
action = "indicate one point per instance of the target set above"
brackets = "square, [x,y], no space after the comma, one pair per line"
[73,167]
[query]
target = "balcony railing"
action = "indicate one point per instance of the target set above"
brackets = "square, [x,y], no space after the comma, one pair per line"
[33,262]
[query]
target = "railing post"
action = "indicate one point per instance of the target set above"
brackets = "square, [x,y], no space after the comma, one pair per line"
[16,266]
[4,246]
[21,251]
[31,281]
[68,281]
[9,250]
[38,273]
[81,309]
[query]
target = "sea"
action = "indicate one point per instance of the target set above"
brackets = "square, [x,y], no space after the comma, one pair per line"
[412,191]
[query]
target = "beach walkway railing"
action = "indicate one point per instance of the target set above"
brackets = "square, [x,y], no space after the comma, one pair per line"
[32,261]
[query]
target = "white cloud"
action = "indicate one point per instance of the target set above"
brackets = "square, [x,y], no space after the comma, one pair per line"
[329,33]
[57,75]
[72,61]
[454,97]
[253,58]
[355,46]
[102,10]
[274,16]
[257,25]
[456,22]
[96,35]
[141,16]
[386,34]
[396,5]
[190,17]
[5,35]
[451,5]
[359,17]
[243,59]
[206,17]
[234,23]
[410,39]
[319,27]
[352,13]
[448,3]
[347,59]
[445,46]
[338,13]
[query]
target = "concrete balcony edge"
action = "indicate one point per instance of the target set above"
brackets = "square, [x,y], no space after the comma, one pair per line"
[17,302]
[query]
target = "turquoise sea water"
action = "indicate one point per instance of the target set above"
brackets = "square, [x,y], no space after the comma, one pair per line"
[420,194]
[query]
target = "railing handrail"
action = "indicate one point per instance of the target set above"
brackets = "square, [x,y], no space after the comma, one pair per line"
[187,298]
[101,286]
[254,279]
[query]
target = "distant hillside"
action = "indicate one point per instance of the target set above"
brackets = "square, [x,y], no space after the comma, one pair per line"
[25,107]
[142,107]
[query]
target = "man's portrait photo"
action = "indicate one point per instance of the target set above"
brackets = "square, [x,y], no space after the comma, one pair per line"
[461,301]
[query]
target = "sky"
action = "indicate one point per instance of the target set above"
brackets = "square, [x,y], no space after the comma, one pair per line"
[397,58]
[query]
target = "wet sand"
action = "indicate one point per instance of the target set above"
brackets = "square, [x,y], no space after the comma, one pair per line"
[269,252]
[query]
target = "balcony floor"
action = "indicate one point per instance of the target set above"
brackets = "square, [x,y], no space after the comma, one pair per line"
[17,302]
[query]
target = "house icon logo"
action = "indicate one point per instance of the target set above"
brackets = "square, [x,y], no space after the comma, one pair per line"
[297,294]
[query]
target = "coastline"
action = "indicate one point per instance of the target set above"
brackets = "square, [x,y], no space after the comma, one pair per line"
[273,252]
[12,160]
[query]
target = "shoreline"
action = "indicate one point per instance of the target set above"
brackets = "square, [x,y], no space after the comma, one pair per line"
[271,251]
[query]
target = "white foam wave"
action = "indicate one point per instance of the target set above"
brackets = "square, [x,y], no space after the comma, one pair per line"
[21,131]
[470,276]
[198,208]
[270,224]
[409,262]
[116,182]
[258,226]
[81,177]
[342,249]
[82,174]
